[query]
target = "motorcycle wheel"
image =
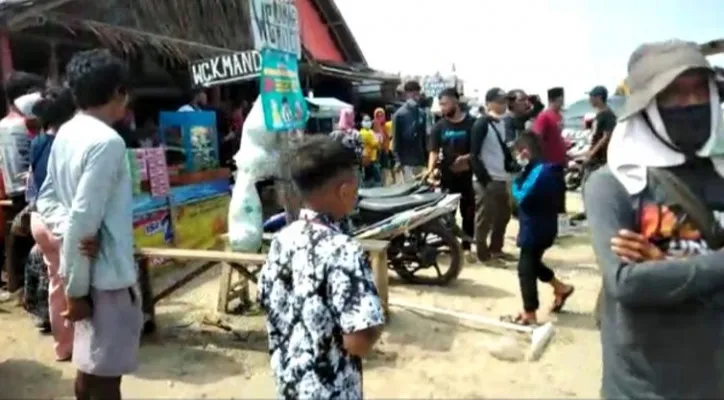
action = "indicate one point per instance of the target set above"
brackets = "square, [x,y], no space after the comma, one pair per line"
[418,251]
[573,180]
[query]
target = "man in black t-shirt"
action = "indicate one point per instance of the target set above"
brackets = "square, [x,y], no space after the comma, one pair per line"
[449,147]
[603,126]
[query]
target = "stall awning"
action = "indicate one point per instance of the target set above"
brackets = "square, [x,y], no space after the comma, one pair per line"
[354,72]
[326,107]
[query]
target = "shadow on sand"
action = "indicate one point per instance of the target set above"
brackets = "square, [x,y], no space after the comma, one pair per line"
[461,287]
[48,382]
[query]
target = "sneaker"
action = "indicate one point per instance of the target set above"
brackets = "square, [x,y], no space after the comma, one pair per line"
[470,258]
[503,256]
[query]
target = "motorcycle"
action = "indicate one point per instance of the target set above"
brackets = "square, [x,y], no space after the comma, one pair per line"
[419,222]
[578,145]
[574,173]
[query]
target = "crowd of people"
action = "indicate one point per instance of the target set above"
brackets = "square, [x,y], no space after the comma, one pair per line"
[651,195]
[657,253]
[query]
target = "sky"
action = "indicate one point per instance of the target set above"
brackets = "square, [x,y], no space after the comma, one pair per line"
[527,44]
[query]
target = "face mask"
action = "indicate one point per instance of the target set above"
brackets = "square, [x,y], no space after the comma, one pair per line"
[367,124]
[411,102]
[523,162]
[689,127]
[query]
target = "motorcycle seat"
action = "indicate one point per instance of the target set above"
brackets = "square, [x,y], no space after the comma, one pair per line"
[397,190]
[392,205]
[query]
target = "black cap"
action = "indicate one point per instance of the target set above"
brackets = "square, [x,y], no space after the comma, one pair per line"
[599,91]
[494,95]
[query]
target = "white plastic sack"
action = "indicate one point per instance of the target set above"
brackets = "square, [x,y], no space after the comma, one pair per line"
[257,158]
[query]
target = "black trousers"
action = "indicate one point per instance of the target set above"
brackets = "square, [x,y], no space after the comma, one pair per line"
[463,184]
[560,174]
[530,269]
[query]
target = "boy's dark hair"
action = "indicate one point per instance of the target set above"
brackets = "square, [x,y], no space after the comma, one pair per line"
[529,140]
[555,93]
[56,107]
[20,83]
[449,92]
[412,86]
[317,160]
[95,76]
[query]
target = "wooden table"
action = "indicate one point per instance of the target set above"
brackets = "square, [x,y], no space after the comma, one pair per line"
[235,278]
[207,258]
[243,266]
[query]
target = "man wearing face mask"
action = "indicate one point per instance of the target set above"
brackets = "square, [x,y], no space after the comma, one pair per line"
[409,125]
[450,148]
[492,165]
[662,329]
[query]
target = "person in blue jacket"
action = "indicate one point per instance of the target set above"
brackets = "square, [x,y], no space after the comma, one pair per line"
[534,192]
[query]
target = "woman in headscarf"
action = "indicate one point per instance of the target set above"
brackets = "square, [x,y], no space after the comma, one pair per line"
[55,108]
[381,129]
[349,136]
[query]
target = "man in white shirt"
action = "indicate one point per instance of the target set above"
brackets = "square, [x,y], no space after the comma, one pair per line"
[197,103]
[87,191]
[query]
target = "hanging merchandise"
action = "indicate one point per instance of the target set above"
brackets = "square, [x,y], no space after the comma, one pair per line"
[157,171]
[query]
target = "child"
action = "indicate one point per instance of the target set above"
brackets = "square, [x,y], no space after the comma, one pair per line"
[323,312]
[533,190]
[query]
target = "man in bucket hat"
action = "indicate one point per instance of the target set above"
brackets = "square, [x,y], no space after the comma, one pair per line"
[662,326]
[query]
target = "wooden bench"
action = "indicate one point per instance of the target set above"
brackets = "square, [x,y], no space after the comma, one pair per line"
[231,288]
[207,259]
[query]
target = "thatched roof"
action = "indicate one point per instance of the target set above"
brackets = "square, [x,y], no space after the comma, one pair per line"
[180,29]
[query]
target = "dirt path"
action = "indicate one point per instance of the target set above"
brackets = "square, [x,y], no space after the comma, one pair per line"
[418,356]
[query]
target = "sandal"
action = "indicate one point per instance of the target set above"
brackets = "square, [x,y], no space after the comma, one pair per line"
[519,320]
[561,299]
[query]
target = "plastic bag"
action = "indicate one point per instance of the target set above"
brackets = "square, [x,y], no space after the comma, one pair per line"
[257,158]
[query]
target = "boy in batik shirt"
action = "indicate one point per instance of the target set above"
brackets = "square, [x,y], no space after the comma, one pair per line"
[323,312]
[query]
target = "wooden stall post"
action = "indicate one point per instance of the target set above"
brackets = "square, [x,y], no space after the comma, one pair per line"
[377,250]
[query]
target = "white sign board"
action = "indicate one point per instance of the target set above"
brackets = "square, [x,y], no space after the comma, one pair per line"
[275,25]
[225,68]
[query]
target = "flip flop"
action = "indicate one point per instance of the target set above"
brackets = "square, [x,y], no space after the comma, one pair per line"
[560,301]
[518,320]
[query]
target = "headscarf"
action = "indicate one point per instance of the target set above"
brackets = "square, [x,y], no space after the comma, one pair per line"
[378,126]
[346,119]
[634,147]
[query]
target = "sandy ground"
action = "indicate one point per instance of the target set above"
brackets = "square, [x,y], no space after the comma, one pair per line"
[417,357]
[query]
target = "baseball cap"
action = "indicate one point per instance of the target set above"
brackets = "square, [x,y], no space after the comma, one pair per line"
[495,95]
[25,103]
[599,91]
[653,66]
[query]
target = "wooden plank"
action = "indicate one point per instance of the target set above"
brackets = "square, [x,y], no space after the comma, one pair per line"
[374,246]
[203,255]
[379,269]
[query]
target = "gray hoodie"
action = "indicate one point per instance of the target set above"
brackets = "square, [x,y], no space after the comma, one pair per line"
[662,322]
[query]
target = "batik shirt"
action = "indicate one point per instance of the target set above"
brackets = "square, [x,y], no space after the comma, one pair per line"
[315,287]
[350,139]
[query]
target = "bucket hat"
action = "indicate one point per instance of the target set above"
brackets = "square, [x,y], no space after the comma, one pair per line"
[653,66]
